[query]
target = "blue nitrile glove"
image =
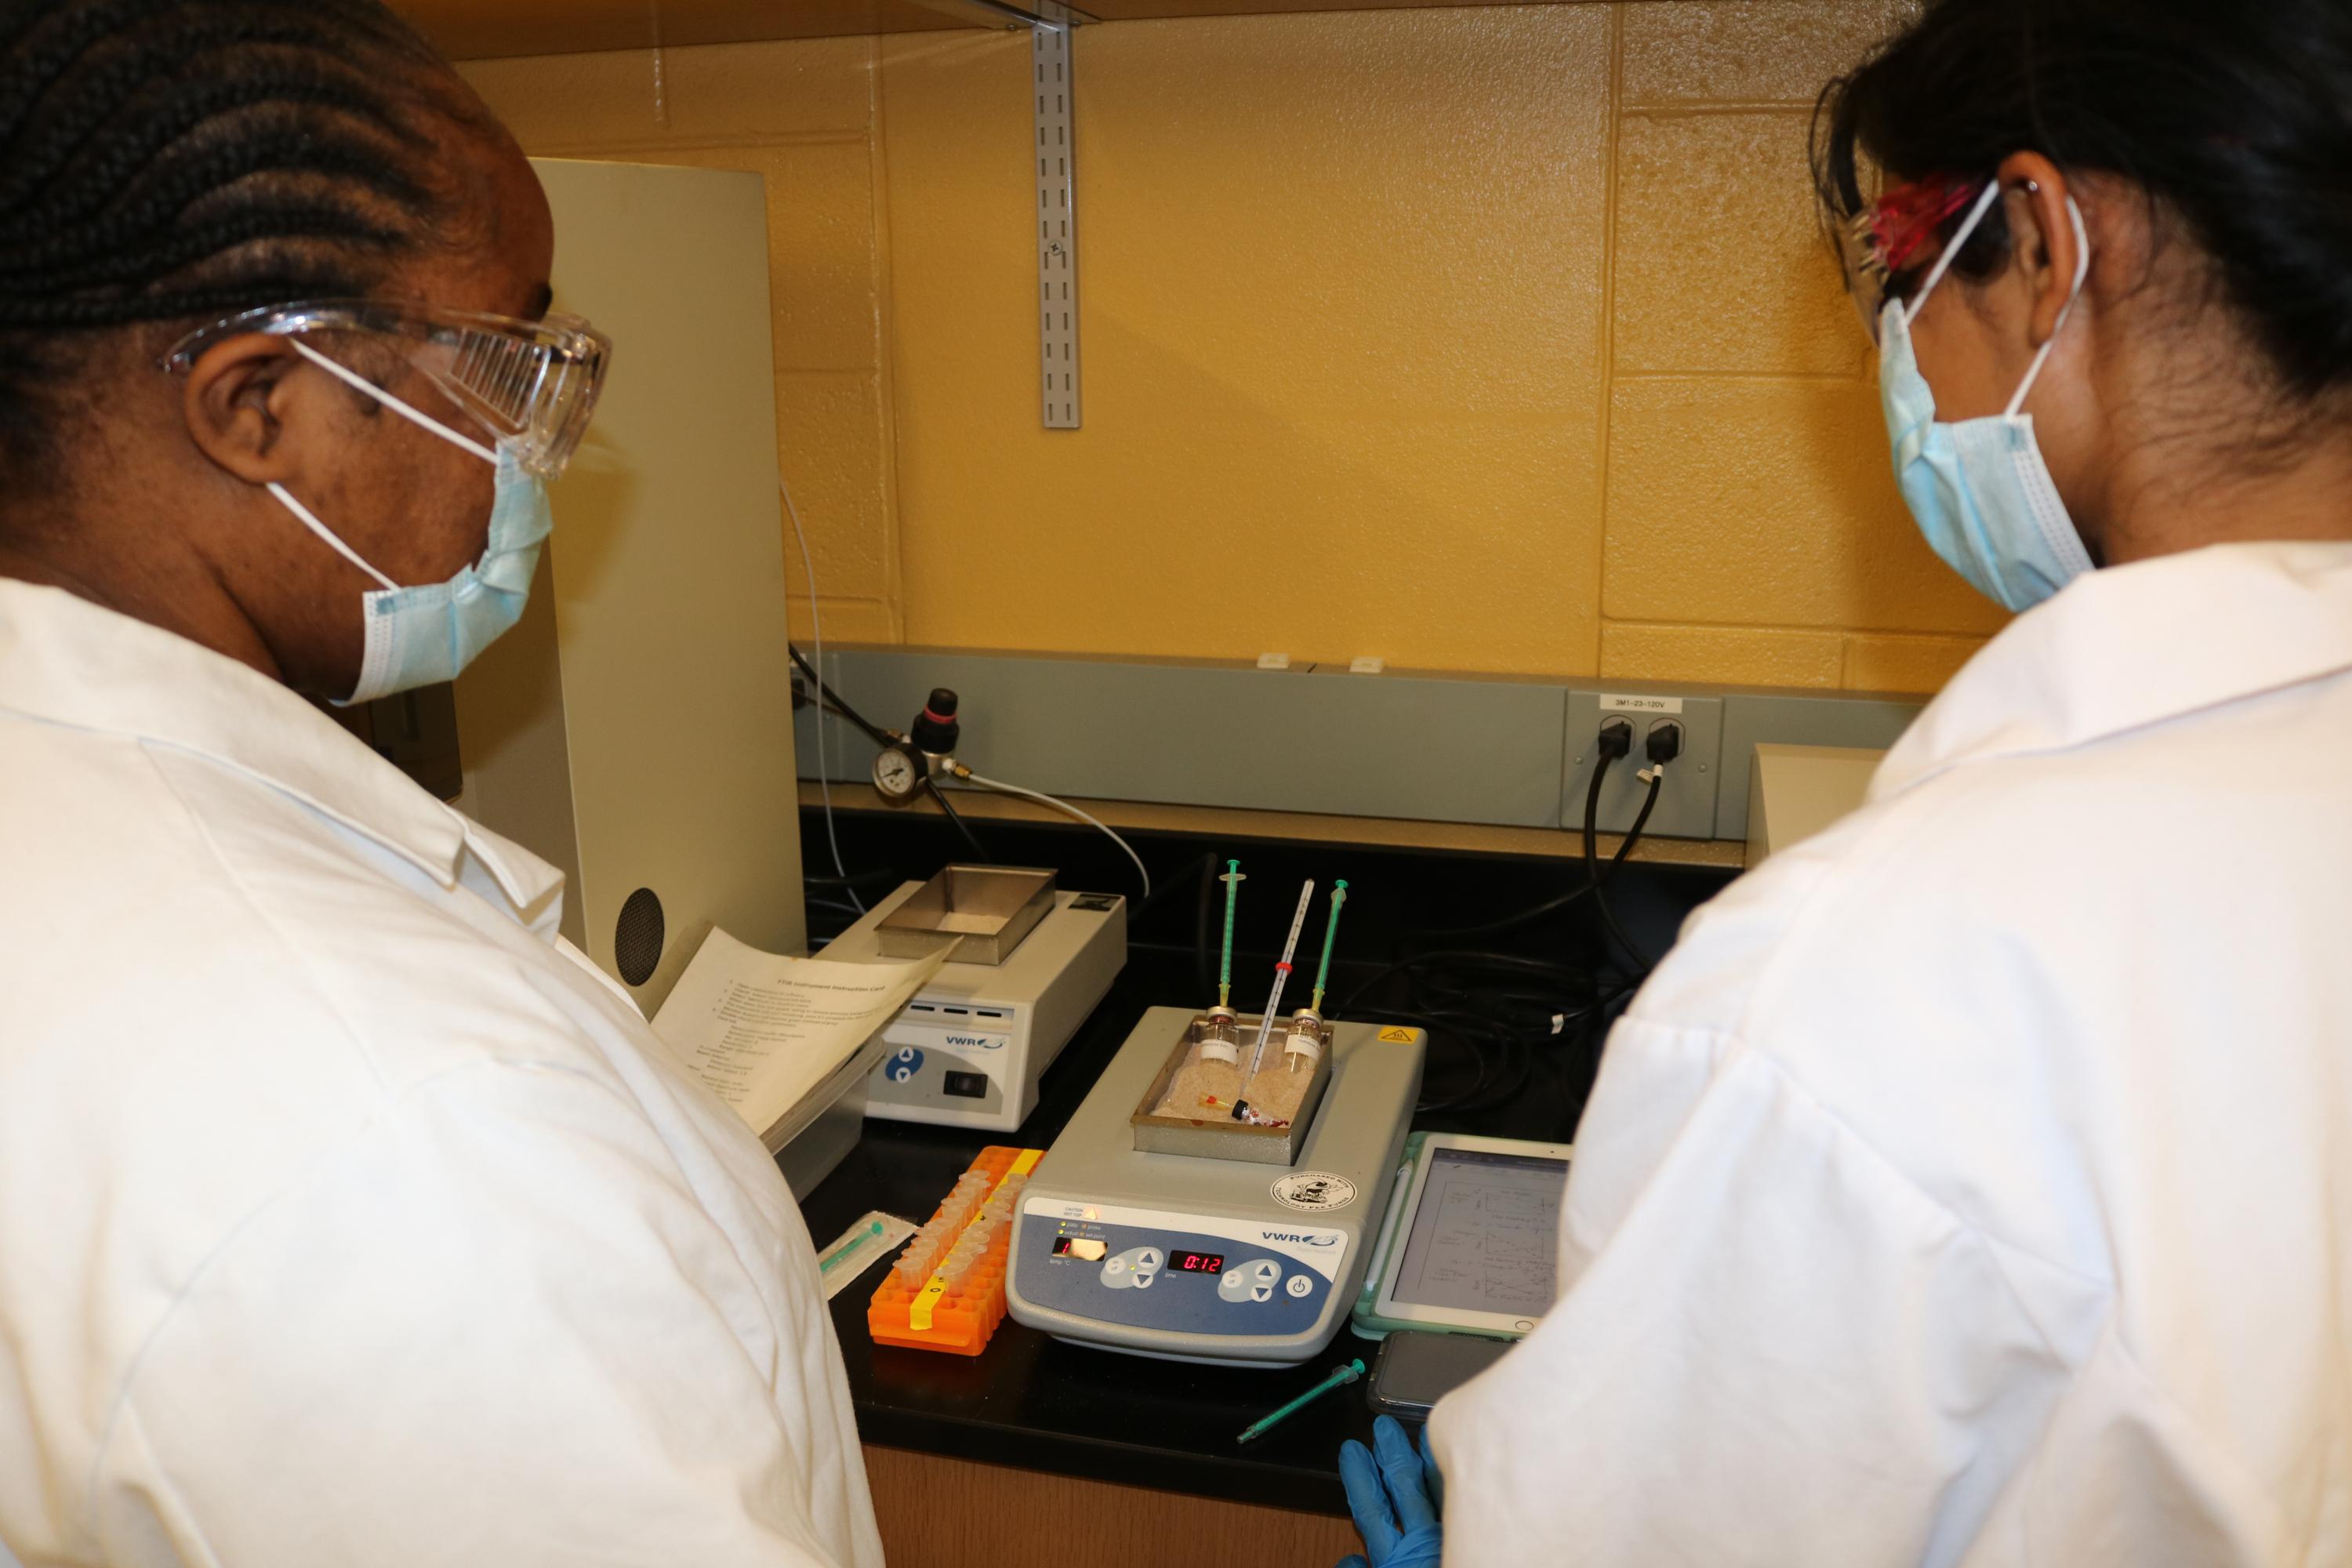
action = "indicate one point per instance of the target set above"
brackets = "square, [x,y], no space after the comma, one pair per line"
[1392,1498]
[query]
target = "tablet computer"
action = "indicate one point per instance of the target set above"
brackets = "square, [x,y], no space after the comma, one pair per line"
[1471,1241]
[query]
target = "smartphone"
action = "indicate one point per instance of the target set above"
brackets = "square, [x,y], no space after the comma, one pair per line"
[1415,1371]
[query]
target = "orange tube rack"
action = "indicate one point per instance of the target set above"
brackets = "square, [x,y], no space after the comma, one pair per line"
[957,1315]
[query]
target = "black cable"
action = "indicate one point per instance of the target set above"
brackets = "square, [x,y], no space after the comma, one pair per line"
[874,732]
[827,707]
[1593,856]
[1500,1024]
[1444,1029]
[875,877]
[847,880]
[956,817]
[1522,1007]
[1496,1020]
[1511,962]
[1553,906]
[1163,888]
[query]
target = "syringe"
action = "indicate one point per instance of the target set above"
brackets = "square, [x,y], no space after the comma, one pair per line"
[1330,940]
[1304,1049]
[852,1244]
[1233,879]
[1341,1375]
[1281,973]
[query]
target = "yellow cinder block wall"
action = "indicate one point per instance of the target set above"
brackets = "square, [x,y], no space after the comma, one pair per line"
[1481,338]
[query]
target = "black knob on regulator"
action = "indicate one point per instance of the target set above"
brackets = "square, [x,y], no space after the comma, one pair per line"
[935,729]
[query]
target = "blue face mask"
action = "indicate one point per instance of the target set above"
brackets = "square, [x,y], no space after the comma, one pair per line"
[1978,488]
[423,635]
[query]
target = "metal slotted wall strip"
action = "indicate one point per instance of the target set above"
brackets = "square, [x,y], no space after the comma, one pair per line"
[1057,234]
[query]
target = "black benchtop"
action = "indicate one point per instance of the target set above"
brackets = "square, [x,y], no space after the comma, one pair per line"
[1044,1405]
[1040,1403]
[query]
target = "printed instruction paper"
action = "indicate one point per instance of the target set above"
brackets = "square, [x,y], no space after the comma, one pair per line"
[762,1030]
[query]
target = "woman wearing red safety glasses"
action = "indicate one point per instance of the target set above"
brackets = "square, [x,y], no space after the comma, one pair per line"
[1973,1183]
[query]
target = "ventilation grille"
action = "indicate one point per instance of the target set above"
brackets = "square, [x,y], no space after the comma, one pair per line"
[638,936]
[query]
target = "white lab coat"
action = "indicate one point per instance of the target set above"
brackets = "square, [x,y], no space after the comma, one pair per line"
[347,1215]
[1973,1183]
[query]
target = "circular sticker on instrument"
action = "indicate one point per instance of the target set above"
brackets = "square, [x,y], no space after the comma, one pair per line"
[1314,1192]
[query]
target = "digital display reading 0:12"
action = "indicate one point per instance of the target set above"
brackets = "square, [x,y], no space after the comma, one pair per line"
[1197,1262]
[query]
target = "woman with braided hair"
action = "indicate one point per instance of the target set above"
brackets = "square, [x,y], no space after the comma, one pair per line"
[347,1215]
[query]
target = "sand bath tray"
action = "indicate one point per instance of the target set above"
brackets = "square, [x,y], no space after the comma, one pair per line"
[1178,1116]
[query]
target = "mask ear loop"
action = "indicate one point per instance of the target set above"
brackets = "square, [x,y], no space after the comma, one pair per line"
[2082,271]
[310,520]
[362,384]
[1959,237]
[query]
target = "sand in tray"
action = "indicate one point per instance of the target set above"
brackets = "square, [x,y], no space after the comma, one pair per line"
[1204,1092]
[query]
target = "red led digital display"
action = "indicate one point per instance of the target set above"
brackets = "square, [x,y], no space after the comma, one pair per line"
[1196,1262]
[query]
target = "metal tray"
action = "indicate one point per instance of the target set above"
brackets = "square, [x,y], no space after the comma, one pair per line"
[992,908]
[1223,1139]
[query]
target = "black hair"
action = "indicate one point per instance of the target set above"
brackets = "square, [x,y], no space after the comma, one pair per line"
[167,161]
[2233,117]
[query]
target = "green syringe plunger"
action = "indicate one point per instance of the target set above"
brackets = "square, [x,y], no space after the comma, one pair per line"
[1341,1375]
[1330,937]
[871,1230]
[1233,879]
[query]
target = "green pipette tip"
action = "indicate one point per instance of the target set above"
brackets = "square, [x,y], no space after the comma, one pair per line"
[1330,936]
[1340,1377]
[1232,881]
[852,1244]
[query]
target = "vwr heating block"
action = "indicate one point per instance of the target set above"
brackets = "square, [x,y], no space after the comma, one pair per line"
[970,1047]
[1248,1250]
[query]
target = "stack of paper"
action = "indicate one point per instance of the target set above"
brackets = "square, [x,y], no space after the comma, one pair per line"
[764,1031]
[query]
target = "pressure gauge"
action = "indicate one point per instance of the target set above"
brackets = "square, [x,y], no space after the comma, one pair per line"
[899,773]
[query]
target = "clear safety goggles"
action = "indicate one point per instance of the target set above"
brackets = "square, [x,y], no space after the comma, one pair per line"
[531,384]
[1890,249]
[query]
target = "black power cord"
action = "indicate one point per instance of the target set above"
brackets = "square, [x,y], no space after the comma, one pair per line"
[957,818]
[1504,1025]
[1512,962]
[853,880]
[829,697]
[1615,740]
[1588,887]
[846,881]
[1500,1014]
[1553,906]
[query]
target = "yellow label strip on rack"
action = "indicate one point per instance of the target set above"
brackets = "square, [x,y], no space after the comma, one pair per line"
[919,1310]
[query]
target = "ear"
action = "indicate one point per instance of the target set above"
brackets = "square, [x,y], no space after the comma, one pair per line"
[2048,247]
[238,399]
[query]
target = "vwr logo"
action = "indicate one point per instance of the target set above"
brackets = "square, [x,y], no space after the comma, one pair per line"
[1305,1238]
[980,1042]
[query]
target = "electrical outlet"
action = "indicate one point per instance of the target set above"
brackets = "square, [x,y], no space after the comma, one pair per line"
[1686,806]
